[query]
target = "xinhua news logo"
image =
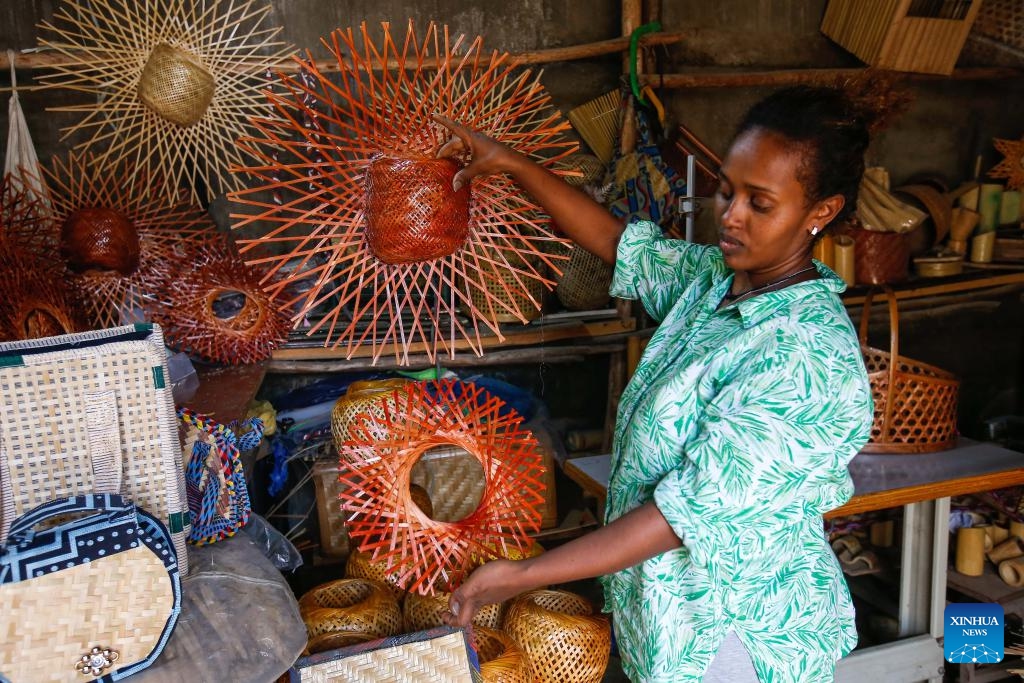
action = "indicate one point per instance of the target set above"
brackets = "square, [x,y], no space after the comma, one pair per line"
[973,633]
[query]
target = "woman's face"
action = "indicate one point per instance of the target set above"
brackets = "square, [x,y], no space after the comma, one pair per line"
[763,217]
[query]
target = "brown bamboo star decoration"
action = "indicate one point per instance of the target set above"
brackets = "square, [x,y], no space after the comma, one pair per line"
[1012,166]
[364,215]
[171,83]
[118,239]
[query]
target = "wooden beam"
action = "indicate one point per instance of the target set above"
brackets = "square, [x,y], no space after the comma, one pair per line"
[779,77]
[51,59]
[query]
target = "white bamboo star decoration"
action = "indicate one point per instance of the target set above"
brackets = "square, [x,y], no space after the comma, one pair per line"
[174,83]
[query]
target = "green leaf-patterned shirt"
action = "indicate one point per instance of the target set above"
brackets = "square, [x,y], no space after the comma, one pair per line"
[739,424]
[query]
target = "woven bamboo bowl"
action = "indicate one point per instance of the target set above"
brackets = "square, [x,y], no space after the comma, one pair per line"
[501,659]
[361,566]
[335,640]
[421,612]
[562,637]
[354,606]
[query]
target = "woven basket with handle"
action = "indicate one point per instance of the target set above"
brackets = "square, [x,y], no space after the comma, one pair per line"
[562,637]
[915,403]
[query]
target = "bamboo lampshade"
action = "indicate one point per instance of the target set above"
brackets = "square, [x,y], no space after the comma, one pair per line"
[377,460]
[358,607]
[184,306]
[171,84]
[501,659]
[117,242]
[400,252]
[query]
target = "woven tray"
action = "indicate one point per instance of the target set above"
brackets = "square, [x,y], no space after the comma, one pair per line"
[91,413]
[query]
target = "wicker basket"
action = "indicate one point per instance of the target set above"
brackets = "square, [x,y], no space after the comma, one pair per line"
[509,297]
[885,34]
[453,479]
[363,397]
[585,282]
[357,606]
[915,403]
[501,659]
[412,214]
[881,257]
[175,85]
[562,637]
[421,612]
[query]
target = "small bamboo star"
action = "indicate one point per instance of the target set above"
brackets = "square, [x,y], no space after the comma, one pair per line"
[1012,166]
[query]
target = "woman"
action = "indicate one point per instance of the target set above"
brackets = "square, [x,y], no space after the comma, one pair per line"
[734,434]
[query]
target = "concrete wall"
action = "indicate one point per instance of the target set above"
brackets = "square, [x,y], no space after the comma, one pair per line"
[948,125]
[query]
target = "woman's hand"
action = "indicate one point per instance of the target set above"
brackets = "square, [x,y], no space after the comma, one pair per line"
[496,581]
[487,156]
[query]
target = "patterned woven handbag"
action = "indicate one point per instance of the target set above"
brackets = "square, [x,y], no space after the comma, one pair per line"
[218,499]
[94,597]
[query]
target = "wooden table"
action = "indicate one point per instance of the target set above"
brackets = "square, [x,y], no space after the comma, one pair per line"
[922,485]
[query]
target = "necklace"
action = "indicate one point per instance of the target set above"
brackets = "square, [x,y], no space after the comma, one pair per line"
[754,290]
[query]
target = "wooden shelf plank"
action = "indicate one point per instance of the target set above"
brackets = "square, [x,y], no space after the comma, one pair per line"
[528,335]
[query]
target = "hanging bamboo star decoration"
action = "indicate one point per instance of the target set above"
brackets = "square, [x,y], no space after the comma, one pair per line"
[365,215]
[118,242]
[193,306]
[172,82]
[376,462]
[1012,166]
[35,298]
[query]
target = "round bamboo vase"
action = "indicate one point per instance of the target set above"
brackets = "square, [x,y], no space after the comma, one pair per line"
[353,606]
[561,636]
[501,659]
[175,85]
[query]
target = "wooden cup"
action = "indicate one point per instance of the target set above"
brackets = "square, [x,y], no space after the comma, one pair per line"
[970,551]
[1012,571]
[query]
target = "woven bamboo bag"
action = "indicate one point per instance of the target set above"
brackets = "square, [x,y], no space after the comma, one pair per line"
[91,413]
[915,403]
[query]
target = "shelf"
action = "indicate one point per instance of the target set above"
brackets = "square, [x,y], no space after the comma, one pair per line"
[971,280]
[555,330]
[985,588]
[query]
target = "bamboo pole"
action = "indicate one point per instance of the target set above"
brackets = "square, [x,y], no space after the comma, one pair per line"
[48,59]
[798,76]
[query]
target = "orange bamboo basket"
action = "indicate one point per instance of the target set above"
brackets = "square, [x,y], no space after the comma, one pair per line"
[915,403]
[377,459]
[563,639]
[398,251]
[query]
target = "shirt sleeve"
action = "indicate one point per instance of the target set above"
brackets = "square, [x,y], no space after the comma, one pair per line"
[773,445]
[655,269]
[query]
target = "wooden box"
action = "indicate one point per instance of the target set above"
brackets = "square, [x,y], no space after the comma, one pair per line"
[904,35]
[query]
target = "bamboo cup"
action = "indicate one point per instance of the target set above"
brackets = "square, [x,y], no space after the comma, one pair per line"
[824,251]
[882,534]
[844,258]
[998,534]
[1017,529]
[1007,550]
[982,247]
[1012,571]
[970,551]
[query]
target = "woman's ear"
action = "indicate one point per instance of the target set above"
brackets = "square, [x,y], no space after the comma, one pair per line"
[827,209]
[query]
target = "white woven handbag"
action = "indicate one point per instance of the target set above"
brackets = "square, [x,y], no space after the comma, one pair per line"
[91,413]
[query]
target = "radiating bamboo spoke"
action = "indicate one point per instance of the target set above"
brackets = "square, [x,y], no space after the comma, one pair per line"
[316,156]
[109,44]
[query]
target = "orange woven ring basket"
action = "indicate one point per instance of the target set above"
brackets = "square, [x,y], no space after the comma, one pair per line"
[561,636]
[915,403]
